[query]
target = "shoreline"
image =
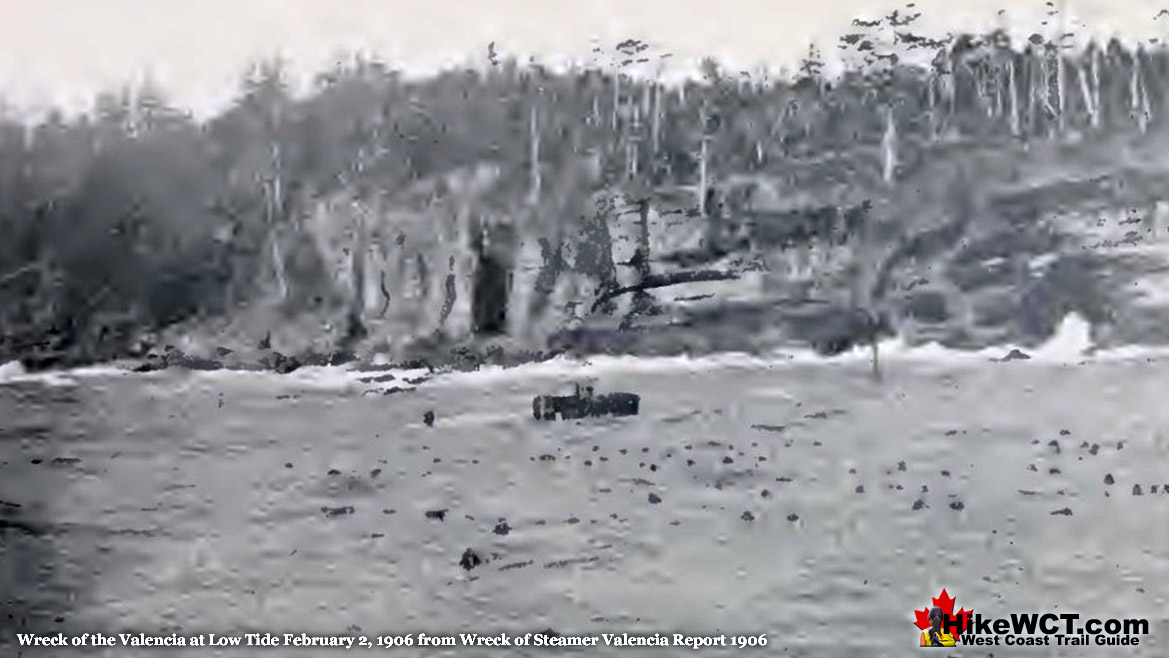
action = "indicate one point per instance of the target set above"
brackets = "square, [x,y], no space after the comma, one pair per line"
[1069,345]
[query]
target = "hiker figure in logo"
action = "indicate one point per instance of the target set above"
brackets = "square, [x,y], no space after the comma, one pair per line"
[935,636]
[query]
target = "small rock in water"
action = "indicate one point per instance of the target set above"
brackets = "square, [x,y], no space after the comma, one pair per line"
[1016,355]
[337,511]
[1065,433]
[1067,511]
[748,516]
[1136,490]
[437,514]
[428,418]
[957,506]
[793,517]
[470,560]
[502,528]
[654,499]
[1108,479]
[918,504]
[860,488]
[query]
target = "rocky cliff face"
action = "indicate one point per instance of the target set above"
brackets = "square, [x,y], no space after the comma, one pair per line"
[440,260]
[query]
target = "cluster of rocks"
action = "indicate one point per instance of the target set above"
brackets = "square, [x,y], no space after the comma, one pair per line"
[263,359]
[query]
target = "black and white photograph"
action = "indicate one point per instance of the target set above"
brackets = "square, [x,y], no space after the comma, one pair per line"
[525,328]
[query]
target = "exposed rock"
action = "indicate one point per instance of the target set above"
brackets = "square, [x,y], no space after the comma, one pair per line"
[470,559]
[1015,355]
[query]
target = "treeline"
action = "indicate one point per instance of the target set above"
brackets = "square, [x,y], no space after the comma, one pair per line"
[136,216]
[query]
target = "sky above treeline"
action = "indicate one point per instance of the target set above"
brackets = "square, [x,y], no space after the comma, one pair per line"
[62,52]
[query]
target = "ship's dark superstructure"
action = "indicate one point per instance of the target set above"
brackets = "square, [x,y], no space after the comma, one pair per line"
[583,403]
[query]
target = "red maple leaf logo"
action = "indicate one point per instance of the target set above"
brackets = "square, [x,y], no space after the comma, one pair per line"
[946,603]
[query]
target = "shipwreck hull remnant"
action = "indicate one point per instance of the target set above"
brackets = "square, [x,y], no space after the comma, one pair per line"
[583,403]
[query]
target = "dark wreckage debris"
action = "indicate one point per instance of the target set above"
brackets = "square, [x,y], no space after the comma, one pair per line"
[583,403]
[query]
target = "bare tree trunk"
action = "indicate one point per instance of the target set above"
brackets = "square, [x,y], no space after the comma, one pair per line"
[951,81]
[1089,100]
[643,239]
[274,206]
[656,129]
[1027,92]
[616,98]
[357,257]
[977,79]
[1146,109]
[997,81]
[642,301]
[931,90]
[1013,91]
[1061,84]
[1045,91]
[1096,86]
[1060,72]
[1135,93]
[702,164]
[889,148]
[278,265]
[534,137]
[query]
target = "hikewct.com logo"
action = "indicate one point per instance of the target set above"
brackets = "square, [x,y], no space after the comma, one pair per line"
[942,627]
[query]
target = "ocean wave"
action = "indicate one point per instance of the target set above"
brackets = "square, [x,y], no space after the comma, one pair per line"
[1071,343]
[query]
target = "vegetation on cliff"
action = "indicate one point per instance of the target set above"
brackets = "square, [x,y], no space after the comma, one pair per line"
[943,197]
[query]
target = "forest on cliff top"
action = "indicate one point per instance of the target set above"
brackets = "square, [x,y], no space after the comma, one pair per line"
[136,217]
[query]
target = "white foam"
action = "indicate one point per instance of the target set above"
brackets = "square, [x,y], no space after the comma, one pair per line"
[323,378]
[1072,343]
[14,372]
[12,369]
